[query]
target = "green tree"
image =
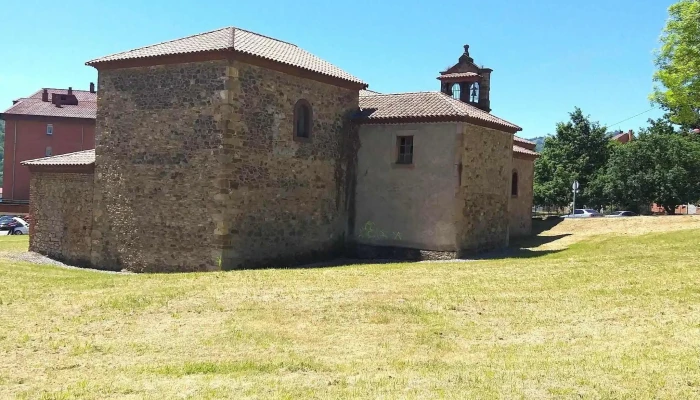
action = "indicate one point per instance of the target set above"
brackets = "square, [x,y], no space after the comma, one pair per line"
[578,151]
[662,167]
[678,65]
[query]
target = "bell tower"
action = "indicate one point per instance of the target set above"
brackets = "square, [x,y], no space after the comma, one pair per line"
[467,82]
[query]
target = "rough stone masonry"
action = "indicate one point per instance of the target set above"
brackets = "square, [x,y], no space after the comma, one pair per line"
[198,165]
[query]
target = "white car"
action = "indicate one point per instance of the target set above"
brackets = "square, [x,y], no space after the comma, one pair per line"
[584,213]
[21,227]
[623,214]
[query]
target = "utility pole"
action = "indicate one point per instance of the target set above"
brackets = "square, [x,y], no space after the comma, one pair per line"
[575,189]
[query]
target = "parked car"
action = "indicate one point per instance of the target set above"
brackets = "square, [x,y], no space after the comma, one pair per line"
[623,214]
[584,213]
[14,226]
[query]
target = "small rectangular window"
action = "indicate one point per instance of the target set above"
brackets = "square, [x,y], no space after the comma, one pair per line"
[405,149]
[49,129]
[48,151]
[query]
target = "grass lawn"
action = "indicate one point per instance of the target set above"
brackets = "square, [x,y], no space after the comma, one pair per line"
[604,316]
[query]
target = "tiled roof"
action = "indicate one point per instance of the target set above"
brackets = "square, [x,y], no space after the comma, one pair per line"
[524,141]
[81,95]
[522,150]
[367,92]
[458,75]
[32,105]
[235,39]
[424,105]
[85,157]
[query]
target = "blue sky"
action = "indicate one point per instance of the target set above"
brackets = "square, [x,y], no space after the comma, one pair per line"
[548,56]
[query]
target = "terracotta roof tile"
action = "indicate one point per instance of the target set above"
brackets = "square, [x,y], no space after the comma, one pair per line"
[529,145]
[32,105]
[81,95]
[85,157]
[424,105]
[524,141]
[522,150]
[235,39]
[367,92]
[459,75]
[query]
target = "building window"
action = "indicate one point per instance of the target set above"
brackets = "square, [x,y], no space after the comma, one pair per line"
[456,91]
[474,93]
[48,151]
[49,129]
[405,149]
[514,185]
[303,120]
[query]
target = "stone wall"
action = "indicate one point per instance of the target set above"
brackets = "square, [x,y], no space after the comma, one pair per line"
[521,205]
[61,214]
[288,201]
[485,189]
[159,146]
[409,206]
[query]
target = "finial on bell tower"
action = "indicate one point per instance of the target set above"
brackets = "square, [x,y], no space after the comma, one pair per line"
[466,57]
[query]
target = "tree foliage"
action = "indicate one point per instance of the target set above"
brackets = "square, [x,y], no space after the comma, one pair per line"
[578,151]
[662,167]
[678,65]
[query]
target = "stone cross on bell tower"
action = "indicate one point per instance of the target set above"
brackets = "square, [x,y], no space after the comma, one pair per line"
[467,82]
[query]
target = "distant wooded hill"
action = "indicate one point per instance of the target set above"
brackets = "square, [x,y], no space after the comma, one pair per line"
[540,143]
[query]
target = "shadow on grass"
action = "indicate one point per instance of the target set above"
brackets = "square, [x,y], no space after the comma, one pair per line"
[540,225]
[520,248]
[511,253]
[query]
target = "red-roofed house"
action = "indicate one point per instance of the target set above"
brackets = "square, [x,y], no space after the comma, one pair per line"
[624,137]
[49,122]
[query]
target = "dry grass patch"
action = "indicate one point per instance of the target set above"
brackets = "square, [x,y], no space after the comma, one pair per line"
[613,316]
[577,229]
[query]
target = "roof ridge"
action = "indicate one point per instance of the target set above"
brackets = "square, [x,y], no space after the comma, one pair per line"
[265,36]
[166,41]
[40,100]
[524,139]
[396,94]
[75,90]
[48,88]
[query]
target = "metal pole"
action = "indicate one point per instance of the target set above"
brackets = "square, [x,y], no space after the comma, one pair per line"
[574,205]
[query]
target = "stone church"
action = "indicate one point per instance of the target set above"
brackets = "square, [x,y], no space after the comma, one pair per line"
[230,149]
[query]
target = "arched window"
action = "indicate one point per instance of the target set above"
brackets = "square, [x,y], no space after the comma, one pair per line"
[303,120]
[456,91]
[514,184]
[474,93]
